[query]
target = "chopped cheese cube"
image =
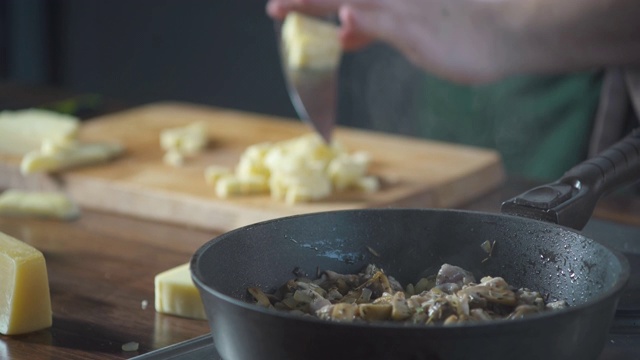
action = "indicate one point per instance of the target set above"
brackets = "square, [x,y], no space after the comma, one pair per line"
[368,184]
[213,173]
[187,140]
[229,185]
[254,184]
[310,42]
[175,293]
[180,142]
[174,158]
[346,170]
[25,304]
[38,203]
[311,191]
[297,170]
[23,131]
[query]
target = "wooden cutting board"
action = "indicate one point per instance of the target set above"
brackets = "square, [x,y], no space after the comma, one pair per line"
[414,173]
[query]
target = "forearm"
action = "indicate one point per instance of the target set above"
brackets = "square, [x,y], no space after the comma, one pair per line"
[558,36]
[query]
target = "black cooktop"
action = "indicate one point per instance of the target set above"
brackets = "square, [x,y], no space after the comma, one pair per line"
[624,337]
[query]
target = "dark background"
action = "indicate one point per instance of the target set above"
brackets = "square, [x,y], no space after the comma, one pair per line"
[214,52]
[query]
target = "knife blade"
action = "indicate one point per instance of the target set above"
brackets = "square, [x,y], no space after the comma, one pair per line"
[312,90]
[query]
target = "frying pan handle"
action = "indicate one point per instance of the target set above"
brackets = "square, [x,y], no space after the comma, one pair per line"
[570,201]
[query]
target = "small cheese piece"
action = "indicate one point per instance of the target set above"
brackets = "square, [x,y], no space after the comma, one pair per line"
[346,170]
[180,142]
[187,140]
[229,185]
[130,346]
[310,43]
[175,294]
[22,131]
[297,170]
[368,184]
[174,158]
[213,173]
[39,204]
[81,154]
[25,302]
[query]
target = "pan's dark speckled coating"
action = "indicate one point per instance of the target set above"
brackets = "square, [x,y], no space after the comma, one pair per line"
[411,243]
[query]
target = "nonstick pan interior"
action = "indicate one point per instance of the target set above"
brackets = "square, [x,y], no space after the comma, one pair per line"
[408,244]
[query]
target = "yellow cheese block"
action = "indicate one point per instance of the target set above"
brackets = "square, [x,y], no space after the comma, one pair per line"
[310,43]
[175,294]
[43,204]
[22,131]
[25,303]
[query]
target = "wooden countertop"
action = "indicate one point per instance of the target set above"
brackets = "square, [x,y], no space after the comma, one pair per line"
[101,269]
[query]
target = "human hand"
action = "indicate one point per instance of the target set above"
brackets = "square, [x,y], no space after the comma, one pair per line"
[460,40]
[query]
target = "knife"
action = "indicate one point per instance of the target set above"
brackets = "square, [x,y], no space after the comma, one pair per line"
[312,90]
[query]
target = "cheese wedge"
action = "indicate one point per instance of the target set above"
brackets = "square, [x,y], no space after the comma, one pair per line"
[43,204]
[80,154]
[25,304]
[175,294]
[310,43]
[22,131]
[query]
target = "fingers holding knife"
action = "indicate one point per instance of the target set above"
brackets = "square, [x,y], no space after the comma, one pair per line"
[353,16]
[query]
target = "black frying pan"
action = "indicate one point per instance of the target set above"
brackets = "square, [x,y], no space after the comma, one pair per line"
[411,243]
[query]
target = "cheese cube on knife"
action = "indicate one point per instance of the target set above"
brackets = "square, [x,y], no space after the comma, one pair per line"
[310,42]
[25,302]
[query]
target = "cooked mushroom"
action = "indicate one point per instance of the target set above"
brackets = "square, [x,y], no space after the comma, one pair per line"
[450,297]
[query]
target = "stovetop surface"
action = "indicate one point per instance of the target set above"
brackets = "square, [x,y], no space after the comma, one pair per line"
[618,347]
[623,342]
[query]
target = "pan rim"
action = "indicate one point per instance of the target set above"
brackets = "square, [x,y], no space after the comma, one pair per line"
[614,292]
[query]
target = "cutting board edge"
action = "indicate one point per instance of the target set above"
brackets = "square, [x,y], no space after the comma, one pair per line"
[164,204]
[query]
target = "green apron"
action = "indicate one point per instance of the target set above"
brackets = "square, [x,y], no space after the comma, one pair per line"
[539,124]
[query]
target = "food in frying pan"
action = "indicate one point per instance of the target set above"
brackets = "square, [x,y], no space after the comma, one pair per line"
[310,43]
[25,304]
[451,296]
[296,170]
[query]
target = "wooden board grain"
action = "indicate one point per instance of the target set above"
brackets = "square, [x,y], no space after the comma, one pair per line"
[414,173]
